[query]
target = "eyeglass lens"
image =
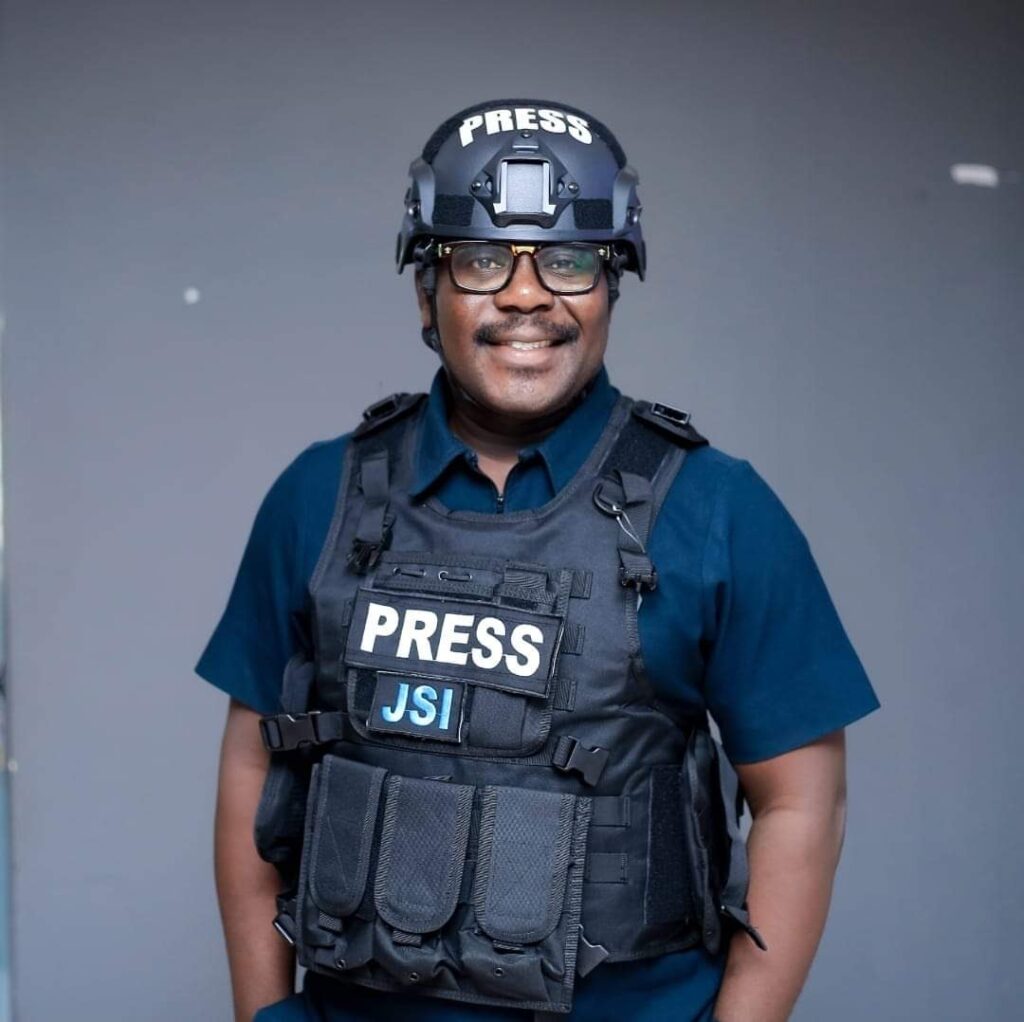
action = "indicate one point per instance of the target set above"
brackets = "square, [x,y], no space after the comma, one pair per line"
[564,269]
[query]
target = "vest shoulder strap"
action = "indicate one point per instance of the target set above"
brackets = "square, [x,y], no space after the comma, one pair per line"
[636,474]
[388,409]
[373,465]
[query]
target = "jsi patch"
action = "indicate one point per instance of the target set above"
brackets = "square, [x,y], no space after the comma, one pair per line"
[422,709]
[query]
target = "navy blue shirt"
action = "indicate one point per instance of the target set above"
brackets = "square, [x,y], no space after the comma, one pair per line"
[741,625]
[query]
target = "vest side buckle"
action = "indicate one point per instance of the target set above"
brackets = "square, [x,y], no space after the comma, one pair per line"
[282,732]
[572,756]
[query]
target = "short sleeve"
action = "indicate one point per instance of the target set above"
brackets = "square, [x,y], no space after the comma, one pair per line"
[781,671]
[260,627]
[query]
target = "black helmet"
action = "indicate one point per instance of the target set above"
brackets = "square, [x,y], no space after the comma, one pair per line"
[525,170]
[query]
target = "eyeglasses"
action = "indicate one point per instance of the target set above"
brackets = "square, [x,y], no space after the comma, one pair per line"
[485,267]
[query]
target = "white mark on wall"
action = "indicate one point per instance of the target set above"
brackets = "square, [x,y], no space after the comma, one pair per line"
[191,295]
[979,174]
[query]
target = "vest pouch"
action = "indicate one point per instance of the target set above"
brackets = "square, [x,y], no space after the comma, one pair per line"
[281,811]
[527,897]
[282,807]
[419,879]
[705,834]
[334,927]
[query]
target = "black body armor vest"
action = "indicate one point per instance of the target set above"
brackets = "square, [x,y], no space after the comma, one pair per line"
[475,794]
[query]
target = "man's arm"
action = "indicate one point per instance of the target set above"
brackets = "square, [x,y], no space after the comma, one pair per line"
[261,965]
[798,803]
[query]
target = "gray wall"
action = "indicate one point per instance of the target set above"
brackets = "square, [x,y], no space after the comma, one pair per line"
[822,296]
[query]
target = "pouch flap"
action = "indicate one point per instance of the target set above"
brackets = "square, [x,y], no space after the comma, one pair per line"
[422,852]
[528,840]
[347,798]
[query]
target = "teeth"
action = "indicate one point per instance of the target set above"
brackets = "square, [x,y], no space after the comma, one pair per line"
[528,345]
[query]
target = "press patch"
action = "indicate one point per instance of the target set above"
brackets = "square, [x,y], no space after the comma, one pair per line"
[524,118]
[503,647]
[422,709]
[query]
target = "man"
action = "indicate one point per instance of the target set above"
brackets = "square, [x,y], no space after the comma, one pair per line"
[503,613]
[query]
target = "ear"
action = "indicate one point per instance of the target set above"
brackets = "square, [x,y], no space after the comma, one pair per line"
[423,301]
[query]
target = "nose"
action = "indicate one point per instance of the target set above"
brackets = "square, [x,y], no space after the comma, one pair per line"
[524,292]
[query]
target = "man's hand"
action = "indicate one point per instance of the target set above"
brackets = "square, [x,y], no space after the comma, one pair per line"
[261,963]
[798,803]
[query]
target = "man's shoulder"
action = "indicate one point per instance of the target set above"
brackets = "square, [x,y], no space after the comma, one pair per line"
[711,485]
[322,458]
[308,482]
[710,469]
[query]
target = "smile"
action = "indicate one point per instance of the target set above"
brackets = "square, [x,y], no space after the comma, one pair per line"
[526,345]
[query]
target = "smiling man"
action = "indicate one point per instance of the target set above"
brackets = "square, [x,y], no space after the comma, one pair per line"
[473,647]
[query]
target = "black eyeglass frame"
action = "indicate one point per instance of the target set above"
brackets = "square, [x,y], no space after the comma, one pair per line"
[445,250]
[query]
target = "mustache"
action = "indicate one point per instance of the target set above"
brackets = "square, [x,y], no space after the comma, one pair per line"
[491,333]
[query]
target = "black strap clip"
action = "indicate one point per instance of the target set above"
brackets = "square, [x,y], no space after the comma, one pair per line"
[673,422]
[670,414]
[384,411]
[282,732]
[385,406]
[364,554]
[285,925]
[571,755]
[740,917]
[640,578]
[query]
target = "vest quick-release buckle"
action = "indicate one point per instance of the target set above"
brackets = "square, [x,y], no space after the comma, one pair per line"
[282,732]
[572,756]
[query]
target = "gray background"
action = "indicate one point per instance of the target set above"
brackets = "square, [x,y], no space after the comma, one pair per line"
[822,296]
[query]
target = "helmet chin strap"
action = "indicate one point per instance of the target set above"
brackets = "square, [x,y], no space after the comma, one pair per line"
[426,267]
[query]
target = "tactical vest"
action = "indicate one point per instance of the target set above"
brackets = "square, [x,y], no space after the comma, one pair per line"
[475,793]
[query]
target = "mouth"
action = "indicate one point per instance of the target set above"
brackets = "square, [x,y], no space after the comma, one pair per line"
[518,334]
[524,345]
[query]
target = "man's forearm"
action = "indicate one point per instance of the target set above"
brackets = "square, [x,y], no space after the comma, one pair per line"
[793,854]
[261,963]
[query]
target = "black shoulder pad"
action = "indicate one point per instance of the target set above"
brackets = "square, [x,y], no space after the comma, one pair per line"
[386,410]
[670,421]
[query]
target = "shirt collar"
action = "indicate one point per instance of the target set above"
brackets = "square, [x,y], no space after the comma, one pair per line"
[563,450]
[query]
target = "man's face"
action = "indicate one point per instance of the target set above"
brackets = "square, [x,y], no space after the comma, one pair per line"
[567,336]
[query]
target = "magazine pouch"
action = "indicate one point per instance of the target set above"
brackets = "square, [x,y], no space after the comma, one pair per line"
[527,897]
[443,889]
[341,823]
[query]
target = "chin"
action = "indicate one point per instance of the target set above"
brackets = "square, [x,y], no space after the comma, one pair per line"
[527,398]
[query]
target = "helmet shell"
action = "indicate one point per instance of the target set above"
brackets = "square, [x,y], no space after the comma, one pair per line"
[523,170]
